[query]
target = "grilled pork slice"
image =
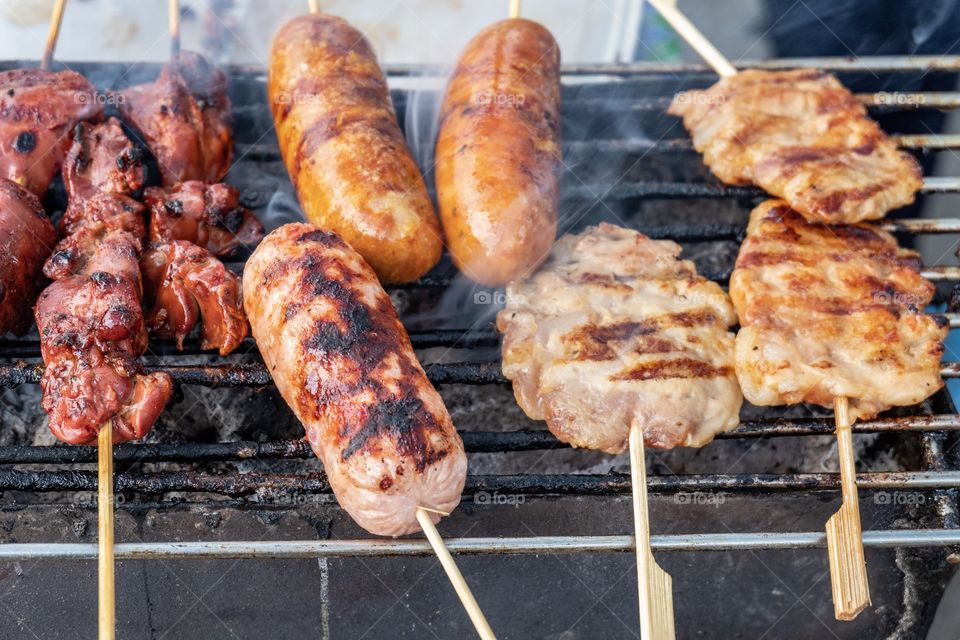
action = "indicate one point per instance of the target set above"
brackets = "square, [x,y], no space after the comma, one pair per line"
[185,283]
[101,160]
[343,362]
[802,136]
[209,215]
[615,332]
[37,111]
[26,239]
[831,311]
[184,118]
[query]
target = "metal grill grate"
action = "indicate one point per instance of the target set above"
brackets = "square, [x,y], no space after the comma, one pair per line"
[621,90]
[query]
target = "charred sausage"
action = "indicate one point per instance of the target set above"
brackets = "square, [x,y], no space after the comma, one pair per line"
[343,362]
[344,150]
[498,152]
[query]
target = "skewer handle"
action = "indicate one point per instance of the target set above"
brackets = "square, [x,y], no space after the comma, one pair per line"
[654,584]
[682,25]
[314,6]
[106,577]
[56,19]
[848,568]
[453,573]
[173,16]
[514,11]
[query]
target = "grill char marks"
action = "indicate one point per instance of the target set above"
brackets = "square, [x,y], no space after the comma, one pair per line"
[831,310]
[801,137]
[614,332]
[343,362]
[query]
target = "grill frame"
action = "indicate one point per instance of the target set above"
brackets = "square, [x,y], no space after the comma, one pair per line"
[937,432]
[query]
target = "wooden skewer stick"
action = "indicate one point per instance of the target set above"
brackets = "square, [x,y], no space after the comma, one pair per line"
[694,38]
[654,584]
[314,6]
[56,19]
[173,15]
[453,573]
[514,9]
[106,577]
[848,568]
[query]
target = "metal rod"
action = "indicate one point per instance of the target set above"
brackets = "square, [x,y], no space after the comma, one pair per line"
[718,542]
[279,487]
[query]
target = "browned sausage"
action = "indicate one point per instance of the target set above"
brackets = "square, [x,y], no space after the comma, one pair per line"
[344,150]
[498,152]
[27,238]
[343,362]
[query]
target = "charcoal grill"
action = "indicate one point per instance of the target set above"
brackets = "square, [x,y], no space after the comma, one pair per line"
[628,163]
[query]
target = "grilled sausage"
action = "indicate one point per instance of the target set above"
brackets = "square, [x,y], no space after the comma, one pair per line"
[343,362]
[27,237]
[498,152]
[343,148]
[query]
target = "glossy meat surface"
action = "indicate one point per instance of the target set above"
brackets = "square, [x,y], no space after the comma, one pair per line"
[615,332]
[184,119]
[186,283]
[26,239]
[498,152]
[101,160]
[38,110]
[344,150]
[337,352]
[801,136]
[832,311]
[208,215]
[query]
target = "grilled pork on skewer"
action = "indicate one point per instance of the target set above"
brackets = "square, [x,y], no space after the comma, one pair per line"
[38,109]
[614,331]
[804,137]
[831,311]
[26,239]
[343,362]
[184,118]
[208,215]
[91,326]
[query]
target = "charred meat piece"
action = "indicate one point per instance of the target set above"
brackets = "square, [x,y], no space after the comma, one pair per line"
[343,362]
[91,241]
[38,110]
[804,137]
[208,215]
[183,117]
[185,283]
[830,311]
[26,239]
[101,160]
[615,332]
[91,333]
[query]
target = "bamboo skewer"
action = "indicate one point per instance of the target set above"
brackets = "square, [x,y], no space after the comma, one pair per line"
[56,19]
[105,564]
[453,573]
[653,583]
[173,16]
[848,568]
[514,11]
[314,6]
[848,572]
[694,38]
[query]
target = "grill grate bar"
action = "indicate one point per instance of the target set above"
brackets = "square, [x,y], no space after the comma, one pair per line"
[474,441]
[256,374]
[884,538]
[267,485]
